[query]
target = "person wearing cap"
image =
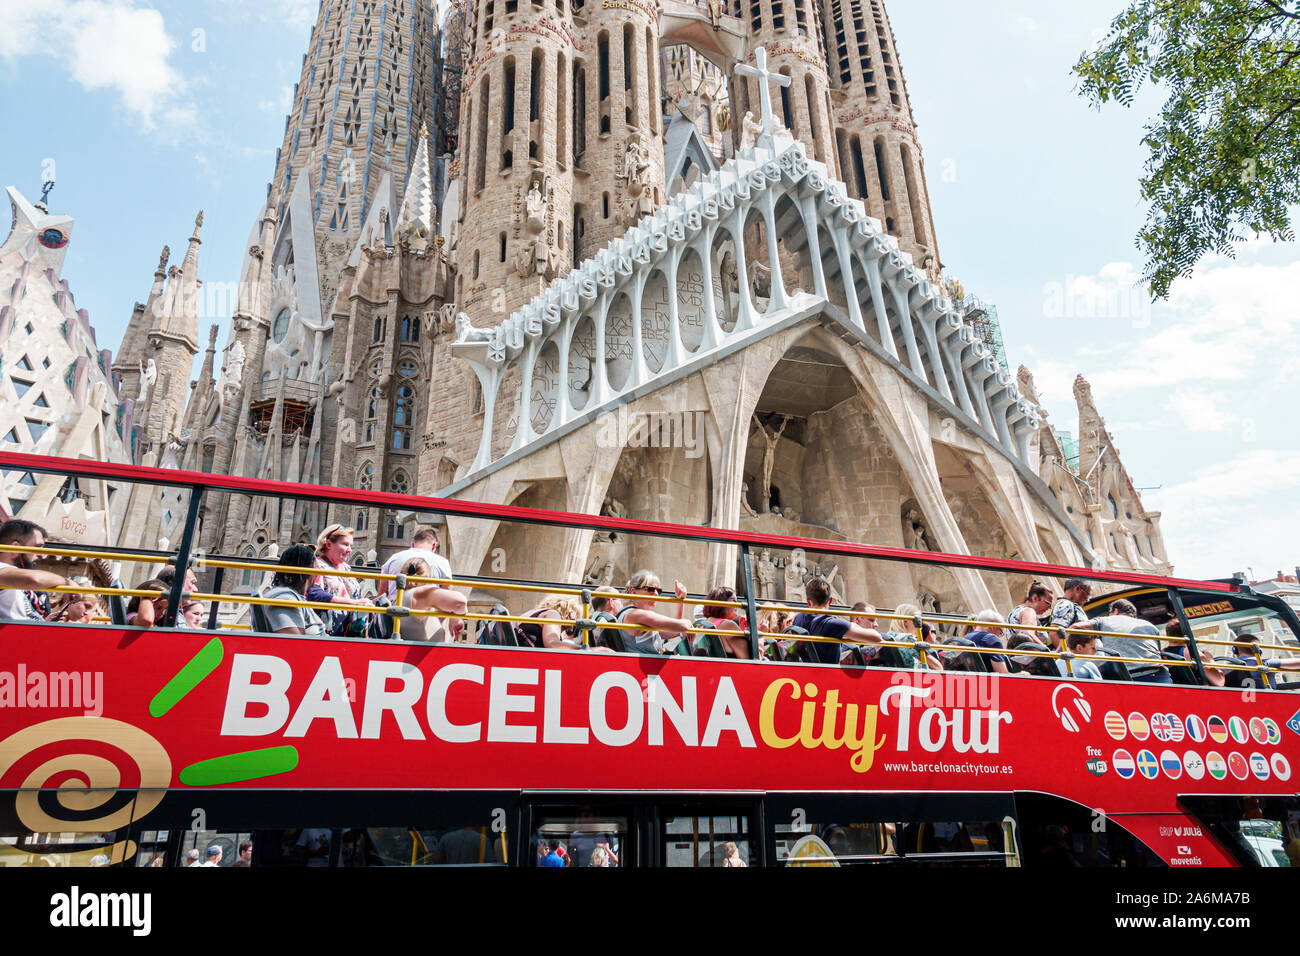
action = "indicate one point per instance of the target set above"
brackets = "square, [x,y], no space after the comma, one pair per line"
[213,856]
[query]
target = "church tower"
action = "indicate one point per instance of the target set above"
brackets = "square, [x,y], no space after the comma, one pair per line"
[560,149]
[365,89]
[790,32]
[875,135]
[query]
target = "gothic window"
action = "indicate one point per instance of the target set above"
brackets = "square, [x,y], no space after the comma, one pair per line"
[787,106]
[246,575]
[394,529]
[474,271]
[630,91]
[209,455]
[561,145]
[366,477]
[501,240]
[280,326]
[535,106]
[1114,507]
[407,367]
[604,205]
[399,484]
[602,45]
[363,519]
[410,328]
[372,403]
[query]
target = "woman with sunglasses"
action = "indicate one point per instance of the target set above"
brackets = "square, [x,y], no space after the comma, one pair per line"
[726,621]
[642,590]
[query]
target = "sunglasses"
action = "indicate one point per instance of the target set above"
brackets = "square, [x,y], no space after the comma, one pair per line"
[649,590]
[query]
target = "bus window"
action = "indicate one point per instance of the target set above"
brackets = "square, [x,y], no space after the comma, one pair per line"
[1257,831]
[1237,617]
[409,846]
[587,837]
[200,841]
[63,849]
[1060,834]
[707,840]
[834,844]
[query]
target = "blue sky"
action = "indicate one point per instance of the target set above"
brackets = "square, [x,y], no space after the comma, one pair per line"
[150,112]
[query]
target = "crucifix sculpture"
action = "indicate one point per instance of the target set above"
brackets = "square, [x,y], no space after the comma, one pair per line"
[765,76]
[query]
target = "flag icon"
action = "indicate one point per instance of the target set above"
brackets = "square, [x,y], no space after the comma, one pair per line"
[1237,727]
[1122,761]
[1194,764]
[1175,727]
[1162,726]
[1237,764]
[1115,725]
[1259,766]
[1259,730]
[1274,731]
[1195,729]
[1138,726]
[1218,730]
[1171,764]
[1217,766]
[1148,764]
[1281,767]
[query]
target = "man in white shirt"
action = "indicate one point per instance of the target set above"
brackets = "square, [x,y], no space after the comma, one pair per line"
[214,856]
[424,546]
[17,576]
[1133,637]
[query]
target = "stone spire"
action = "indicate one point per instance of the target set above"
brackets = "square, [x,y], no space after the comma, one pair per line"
[179,317]
[418,216]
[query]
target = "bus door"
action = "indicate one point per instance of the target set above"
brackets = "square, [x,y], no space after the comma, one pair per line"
[645,830]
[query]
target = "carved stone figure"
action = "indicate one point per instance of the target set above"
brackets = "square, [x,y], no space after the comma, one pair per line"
[914,531]
[745,506]
[467,333]
[765,572]
[749,130]
[794,578]
[148,375]
[760,280]
[235,367]
[535,207]
[728,273]
[715,14]
[605,548]
[769,460]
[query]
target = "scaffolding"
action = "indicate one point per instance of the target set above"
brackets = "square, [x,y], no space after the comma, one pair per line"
[982,317]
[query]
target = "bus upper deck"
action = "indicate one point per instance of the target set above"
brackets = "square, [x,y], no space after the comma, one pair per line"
[113,727]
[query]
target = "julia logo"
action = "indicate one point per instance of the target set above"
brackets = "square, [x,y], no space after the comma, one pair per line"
[1071,707]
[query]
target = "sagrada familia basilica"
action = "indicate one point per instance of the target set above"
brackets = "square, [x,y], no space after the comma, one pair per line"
[665,259]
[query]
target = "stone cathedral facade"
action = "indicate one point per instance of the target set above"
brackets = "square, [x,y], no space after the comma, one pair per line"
[500,255]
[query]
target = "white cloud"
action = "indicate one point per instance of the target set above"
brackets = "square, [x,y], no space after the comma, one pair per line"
[106,44]
[279,105]
[1200,411]
[1234,514]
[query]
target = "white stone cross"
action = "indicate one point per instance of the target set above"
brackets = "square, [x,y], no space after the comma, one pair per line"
[765,77]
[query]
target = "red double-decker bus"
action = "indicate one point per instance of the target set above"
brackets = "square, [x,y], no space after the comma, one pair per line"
[134,746]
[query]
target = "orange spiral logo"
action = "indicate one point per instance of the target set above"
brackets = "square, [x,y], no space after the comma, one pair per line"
[91,781]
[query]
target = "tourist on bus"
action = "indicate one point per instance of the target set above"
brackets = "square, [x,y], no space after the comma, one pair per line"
[819,622]
[148,611]
[1067,611]
[735,641]
[423,546]
[428,597]
[1133,637]
[642,590]
[1177,645]
[167,575]
[80,608]
[990,636]
[901,632]
[20,583]
[1085,644]
[1029,613]
[192,614]
[288,586]
[245,858]
[332,550]
[540,632]
[731,855]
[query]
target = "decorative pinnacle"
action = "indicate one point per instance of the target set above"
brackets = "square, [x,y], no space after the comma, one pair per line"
[162,260]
